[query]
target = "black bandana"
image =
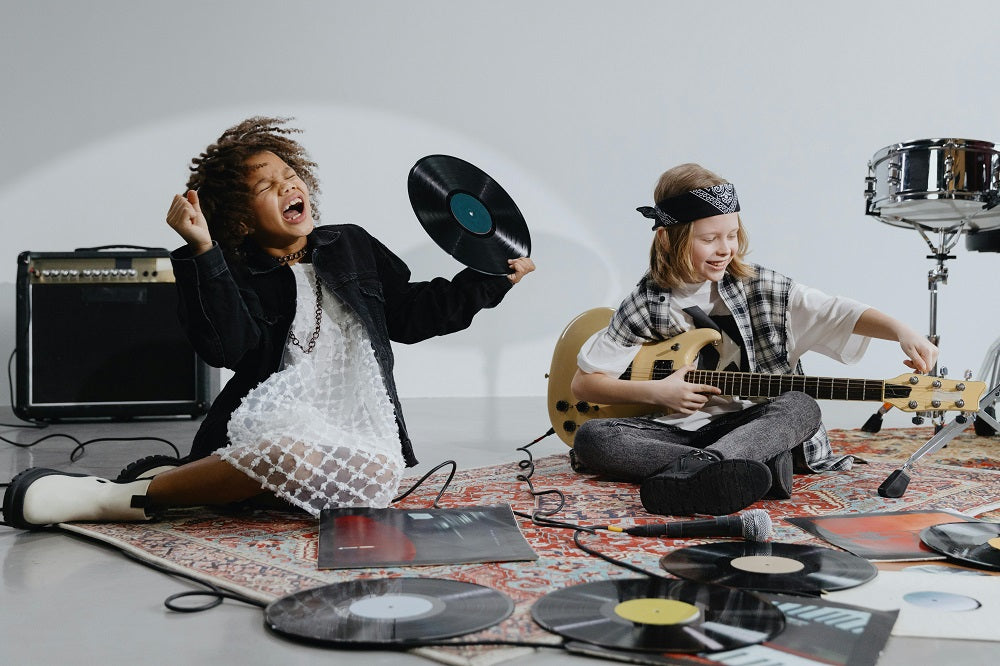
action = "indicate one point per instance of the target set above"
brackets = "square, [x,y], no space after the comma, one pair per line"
[693,205]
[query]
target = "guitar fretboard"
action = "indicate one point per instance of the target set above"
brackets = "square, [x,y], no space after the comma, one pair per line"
[760,385]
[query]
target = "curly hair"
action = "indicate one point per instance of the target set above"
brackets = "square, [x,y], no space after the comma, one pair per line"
[219,176]
[670,253]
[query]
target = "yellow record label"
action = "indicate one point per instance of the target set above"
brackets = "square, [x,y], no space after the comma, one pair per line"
[657,611]
[994,542]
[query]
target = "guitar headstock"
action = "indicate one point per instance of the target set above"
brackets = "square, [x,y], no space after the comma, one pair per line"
[925,393]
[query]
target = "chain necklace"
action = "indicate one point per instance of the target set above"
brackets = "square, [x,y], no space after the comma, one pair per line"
[311,342]
[285,258]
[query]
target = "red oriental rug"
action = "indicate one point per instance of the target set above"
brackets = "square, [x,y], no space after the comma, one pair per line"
[269,554]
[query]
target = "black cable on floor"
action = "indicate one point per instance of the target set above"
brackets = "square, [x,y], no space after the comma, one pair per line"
[542,518]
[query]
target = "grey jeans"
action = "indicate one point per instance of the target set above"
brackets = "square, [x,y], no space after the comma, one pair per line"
[631,449]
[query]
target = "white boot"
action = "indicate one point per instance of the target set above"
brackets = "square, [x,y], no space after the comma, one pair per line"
[37,497]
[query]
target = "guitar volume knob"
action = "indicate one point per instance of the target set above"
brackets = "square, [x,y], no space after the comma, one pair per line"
[569,426]
[562,406]
[583,407]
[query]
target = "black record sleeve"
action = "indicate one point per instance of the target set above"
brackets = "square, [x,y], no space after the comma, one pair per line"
[353,538]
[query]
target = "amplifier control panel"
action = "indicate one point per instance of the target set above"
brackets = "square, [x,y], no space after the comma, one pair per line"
[80,270]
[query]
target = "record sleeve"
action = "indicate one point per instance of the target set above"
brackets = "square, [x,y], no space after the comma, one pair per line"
[889,536]
[952,605]
[353,538]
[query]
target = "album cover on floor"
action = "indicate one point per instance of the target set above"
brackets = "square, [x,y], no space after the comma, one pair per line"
[890,536]
[356,538]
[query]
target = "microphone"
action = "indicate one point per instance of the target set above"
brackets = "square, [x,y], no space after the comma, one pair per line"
[753,525]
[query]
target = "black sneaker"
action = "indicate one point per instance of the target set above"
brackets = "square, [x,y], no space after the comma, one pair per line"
[780,467]
[703,482]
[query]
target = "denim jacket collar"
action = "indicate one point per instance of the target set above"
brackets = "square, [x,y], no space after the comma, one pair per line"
[258,261]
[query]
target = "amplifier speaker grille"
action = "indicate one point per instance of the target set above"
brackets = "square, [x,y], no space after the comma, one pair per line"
[98,336]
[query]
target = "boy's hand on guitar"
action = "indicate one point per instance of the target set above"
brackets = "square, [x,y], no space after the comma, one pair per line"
[679,395]
[921,351]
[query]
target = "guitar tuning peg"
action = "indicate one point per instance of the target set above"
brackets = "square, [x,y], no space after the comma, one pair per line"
[943,372]
[967,375]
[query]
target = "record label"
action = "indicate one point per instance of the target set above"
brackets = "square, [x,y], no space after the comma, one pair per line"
[974,544]
[657,611]
[767,564]
[471,213]
[467,213]
[944,601]
[395,606]
[658,615]
[387,612]
[769,567]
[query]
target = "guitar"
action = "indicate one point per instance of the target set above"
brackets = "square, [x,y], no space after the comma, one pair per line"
[656,360]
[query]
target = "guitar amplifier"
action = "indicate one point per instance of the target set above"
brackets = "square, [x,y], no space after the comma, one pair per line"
[98,337]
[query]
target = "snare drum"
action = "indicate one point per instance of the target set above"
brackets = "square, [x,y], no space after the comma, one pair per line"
[935,184]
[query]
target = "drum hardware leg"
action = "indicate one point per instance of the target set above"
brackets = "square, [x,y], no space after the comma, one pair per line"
[990,373]
[937,275]
[896,483]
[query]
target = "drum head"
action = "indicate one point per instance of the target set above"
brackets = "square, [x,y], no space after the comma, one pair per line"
[935,184]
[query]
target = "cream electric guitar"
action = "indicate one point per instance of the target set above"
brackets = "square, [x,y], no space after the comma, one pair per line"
[656,360]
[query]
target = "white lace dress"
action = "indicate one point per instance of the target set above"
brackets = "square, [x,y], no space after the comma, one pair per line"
[321,432]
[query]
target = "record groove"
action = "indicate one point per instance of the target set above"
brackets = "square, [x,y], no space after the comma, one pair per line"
[387,612]
[769,567]
[966,542]
[658,615]
[467,213]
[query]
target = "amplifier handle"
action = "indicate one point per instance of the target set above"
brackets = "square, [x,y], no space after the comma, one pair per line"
[128,247]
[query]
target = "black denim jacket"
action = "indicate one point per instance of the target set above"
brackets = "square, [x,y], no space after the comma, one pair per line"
[237,314]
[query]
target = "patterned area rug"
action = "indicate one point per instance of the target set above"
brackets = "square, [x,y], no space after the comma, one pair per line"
[268,554]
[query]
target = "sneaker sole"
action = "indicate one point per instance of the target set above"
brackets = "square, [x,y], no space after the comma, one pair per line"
[717,489]
[13,499]
[147,468]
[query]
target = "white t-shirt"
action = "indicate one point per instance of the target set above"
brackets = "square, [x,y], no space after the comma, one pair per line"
[815,321]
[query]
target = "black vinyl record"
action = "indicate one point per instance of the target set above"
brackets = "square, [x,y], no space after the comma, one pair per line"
[976,544]
[467,213]
[770,567]
[658,615]
[387,612]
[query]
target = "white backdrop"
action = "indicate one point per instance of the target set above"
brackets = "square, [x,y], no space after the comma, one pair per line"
[574,106]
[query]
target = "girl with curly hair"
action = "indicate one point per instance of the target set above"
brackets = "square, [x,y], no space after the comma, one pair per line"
[304,316]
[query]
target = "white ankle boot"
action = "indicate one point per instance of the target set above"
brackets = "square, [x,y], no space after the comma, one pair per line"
[38,497]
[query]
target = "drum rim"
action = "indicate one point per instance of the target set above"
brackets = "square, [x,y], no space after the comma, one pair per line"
[976,144]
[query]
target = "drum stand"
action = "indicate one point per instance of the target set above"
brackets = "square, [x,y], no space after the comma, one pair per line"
[896,483]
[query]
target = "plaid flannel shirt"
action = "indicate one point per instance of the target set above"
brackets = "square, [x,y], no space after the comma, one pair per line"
[759,306]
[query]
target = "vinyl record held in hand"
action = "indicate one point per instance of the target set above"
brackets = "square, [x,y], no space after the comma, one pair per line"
[975,544]
[387,612]
[658,615]
[467,213]
[769,567]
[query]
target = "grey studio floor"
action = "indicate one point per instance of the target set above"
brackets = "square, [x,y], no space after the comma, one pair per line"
[68,600]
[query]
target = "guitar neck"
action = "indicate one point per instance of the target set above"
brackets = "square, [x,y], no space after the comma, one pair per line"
[759,385]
